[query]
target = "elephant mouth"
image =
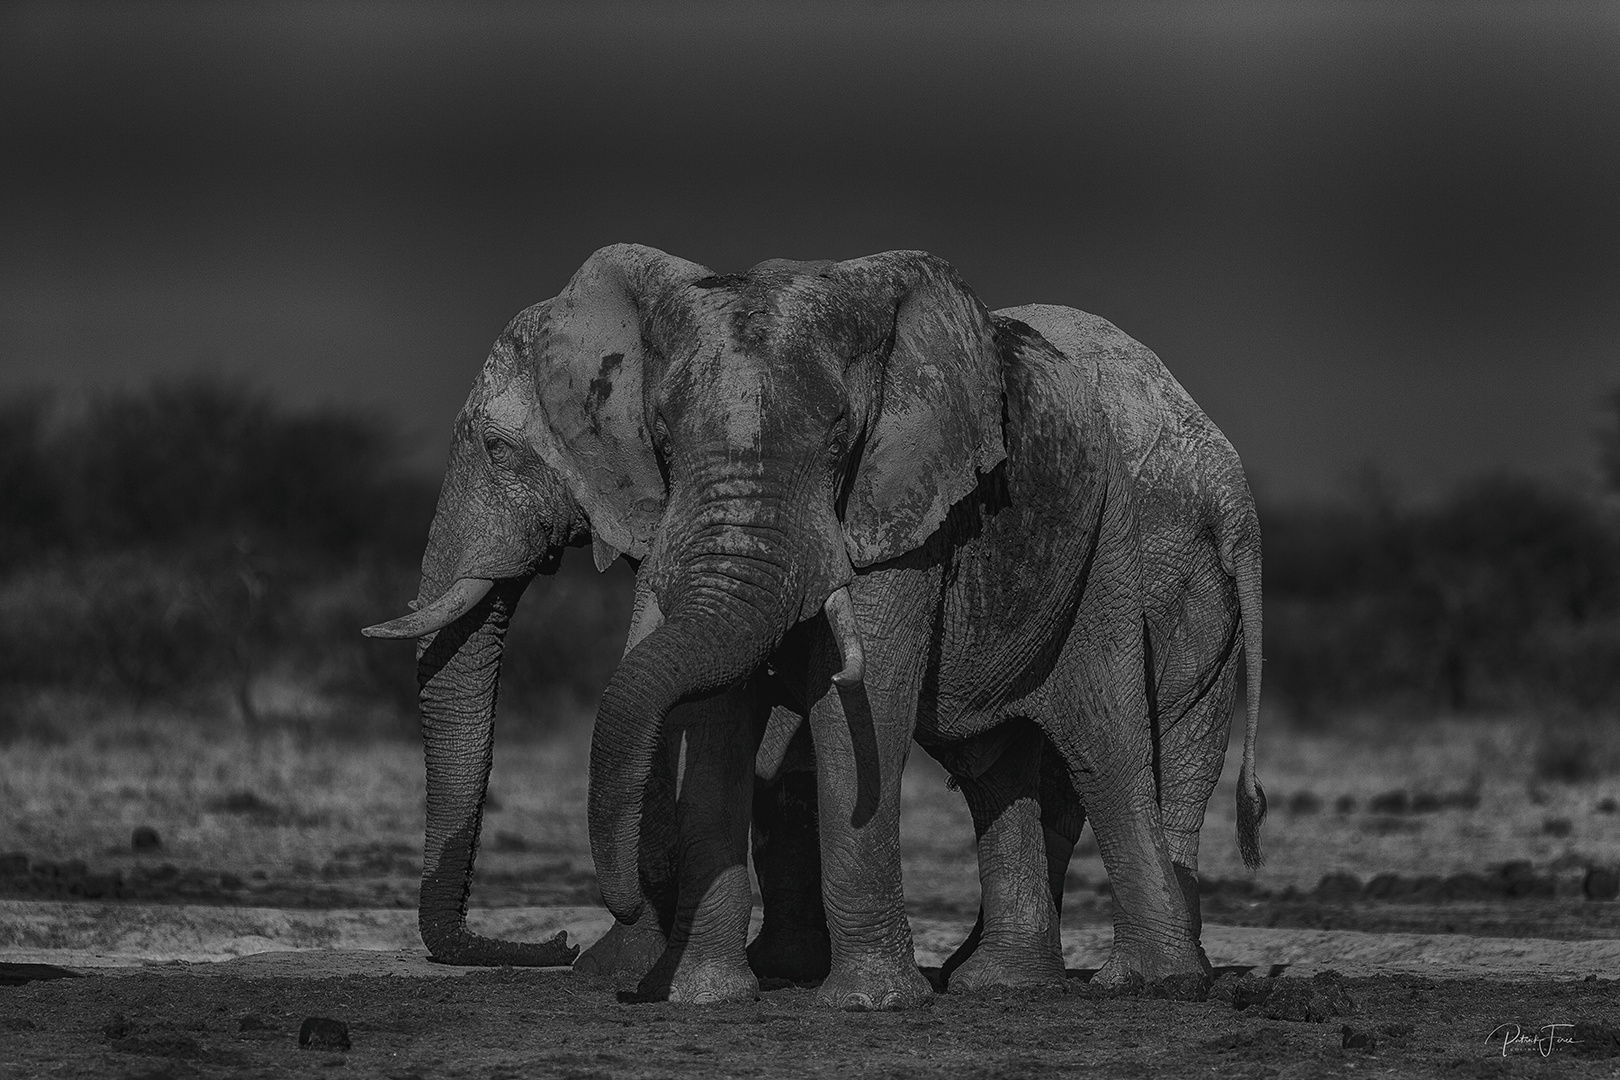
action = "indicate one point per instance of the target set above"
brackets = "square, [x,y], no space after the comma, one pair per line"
[456,601]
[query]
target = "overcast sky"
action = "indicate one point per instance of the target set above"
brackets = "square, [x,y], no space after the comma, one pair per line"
[1357,232]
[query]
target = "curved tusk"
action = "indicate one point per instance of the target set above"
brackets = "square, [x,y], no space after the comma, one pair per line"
[841,617]
[430,618]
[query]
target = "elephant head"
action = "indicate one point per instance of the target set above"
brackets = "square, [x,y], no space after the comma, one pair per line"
[503,515]
[750,440]
[803,420]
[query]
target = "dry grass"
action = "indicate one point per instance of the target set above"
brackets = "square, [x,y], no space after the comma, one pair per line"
[286,806]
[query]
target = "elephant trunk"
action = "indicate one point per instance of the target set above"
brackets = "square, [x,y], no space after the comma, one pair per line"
[459,673]
[710,639]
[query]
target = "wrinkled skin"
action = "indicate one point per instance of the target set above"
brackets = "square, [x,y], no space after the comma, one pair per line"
[1200,540]
[1201,584]
[854,436]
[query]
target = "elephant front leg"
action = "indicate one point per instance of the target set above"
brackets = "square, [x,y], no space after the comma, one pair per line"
[858,767]
[1017,941]
[792,942]
[705,961]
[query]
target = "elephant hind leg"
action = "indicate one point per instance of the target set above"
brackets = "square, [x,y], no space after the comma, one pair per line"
[1017,941]
[1193,752]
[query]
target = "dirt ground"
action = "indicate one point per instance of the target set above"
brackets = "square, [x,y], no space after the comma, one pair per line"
[514,1023]
[1443,831]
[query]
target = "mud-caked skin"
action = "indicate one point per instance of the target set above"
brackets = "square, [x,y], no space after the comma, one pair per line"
[1200,540]
[854,437]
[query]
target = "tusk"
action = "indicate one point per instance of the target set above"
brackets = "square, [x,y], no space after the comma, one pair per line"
[841,617]
[430,618]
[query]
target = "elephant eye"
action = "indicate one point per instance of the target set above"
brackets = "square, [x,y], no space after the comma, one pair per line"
[838,440]
[500,451]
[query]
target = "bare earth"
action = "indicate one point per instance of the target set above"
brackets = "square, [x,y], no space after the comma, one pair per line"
[281,842]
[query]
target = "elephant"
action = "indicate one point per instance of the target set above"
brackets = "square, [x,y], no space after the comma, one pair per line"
[1200,540]
[854,507]
[1201,580]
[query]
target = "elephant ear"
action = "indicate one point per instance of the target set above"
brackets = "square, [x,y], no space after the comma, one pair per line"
[938,425]
[590,359]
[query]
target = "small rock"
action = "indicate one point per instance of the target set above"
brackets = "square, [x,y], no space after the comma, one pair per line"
[1607,805]
[1357,1039]
[1344,804]
[1558,826]
[321,1033]
[1602,883]
[145,838]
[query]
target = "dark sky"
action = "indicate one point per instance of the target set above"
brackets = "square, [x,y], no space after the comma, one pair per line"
[1357,232]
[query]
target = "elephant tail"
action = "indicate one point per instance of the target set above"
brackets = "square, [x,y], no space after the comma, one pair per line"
[1241,553]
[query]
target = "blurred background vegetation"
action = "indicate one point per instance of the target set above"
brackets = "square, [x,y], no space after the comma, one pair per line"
[194,545]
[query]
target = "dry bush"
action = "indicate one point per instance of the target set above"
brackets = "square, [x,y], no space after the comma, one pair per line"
[192,544]
[1504,595]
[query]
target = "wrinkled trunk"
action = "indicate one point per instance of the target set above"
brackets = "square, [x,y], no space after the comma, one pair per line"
[724,622]
[459,672]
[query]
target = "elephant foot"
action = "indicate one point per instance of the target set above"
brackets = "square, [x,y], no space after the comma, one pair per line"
[1031,964]
[799,954]
[697,982]
[1138,963]
[876,986]
[625,952]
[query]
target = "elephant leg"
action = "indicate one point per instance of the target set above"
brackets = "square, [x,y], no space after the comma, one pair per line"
[705,961]
[1019,940]
[858,765]
[792,942]
[1062,818]
[1193,752]
[1098,724]
[628,951]
[1195,666]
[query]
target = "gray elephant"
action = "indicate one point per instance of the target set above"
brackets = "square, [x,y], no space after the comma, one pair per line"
[1201,580]
[851,439]
[1200,541]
